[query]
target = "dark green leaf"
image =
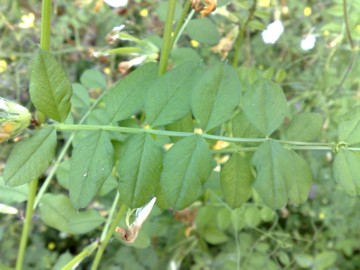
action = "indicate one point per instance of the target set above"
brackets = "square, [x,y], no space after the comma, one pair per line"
[264,105]
[282,175]
[346,169]
[139,170]
[50,88]
[349,126]
[168,99]
[203,30]
[91,163]
[236,180]
[305,127]
[92,78]
[187,165]
[57,212]
[30,158]
[242,128]
[215,96]
[127,96]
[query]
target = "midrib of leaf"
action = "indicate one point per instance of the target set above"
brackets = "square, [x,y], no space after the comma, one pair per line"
[186,174]
[136,186]
[37,149]
[52,90]
[213,100]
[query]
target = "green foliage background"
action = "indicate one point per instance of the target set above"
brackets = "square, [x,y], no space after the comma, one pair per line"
[225,224]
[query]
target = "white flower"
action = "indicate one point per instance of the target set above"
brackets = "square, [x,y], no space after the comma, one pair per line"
[6,209]
[116,3]
[272,32]
[308,42]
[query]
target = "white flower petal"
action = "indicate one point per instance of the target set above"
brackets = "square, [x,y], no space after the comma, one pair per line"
[116,3]
[272,32]
[143,213]
[308,42]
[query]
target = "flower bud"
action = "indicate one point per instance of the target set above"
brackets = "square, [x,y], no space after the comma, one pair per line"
[14,118]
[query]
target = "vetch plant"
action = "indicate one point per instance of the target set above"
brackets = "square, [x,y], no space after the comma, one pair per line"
[154,141]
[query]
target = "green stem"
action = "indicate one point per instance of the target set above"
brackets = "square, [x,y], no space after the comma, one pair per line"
[27,223]
[241,35]
[81,256]
[110,217]
[294,144]
[45,25]
[180,26]
[347,26]
[166,48]
[108,235]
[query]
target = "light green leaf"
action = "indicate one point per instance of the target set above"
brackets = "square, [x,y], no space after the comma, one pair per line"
[50,88]
[264,105]
[92,78]
[127,96]
[57,212]
[305,127]
[168,99]
[304,260]
[187,165]
[215,96]
[10,195]
[91,163]
[242,128]
[139,170]
[203,30]
[30,158]
[252,216]
[346,169]
[282,175]
[324,260]
[236,180]
[80,98]
[349,126]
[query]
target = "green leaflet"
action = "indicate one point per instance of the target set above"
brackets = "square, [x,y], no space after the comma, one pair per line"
[93,78]
[30,157]
[349,126]
[242,128]
[215,96]
[203,30]
[236,180]
[305,127]
[50,88]
[264,105]
[90,165]
[127,96]
[282,175]
[346,169]
[139,170]
[57,212]
[187,165]
[168,99]
[9,195]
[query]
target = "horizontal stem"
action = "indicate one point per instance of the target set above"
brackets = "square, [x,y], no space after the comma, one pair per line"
[296,145]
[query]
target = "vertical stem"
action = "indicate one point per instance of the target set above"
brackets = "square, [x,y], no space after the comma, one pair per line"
[346,19]
[241,35]
[26,228]
[166,48]
[179,25]
[108,235]
[45,25]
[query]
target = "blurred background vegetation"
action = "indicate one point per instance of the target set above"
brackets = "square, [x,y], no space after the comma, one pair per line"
[322,234]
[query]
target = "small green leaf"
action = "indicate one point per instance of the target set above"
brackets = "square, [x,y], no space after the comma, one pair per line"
[282,175]
[80,98]
[346,169]
[92,78]
[324,260]
[252,216]
[236,180]
[264,105]
[139,170]
[305,127]
[242,128]
[127,96]
[30,158]
[57,212]
[50,88]
[216,95]
[203,30]
[10,195]
[168,99]
[304,260]
[91,163]
[187,165]
[349,126]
